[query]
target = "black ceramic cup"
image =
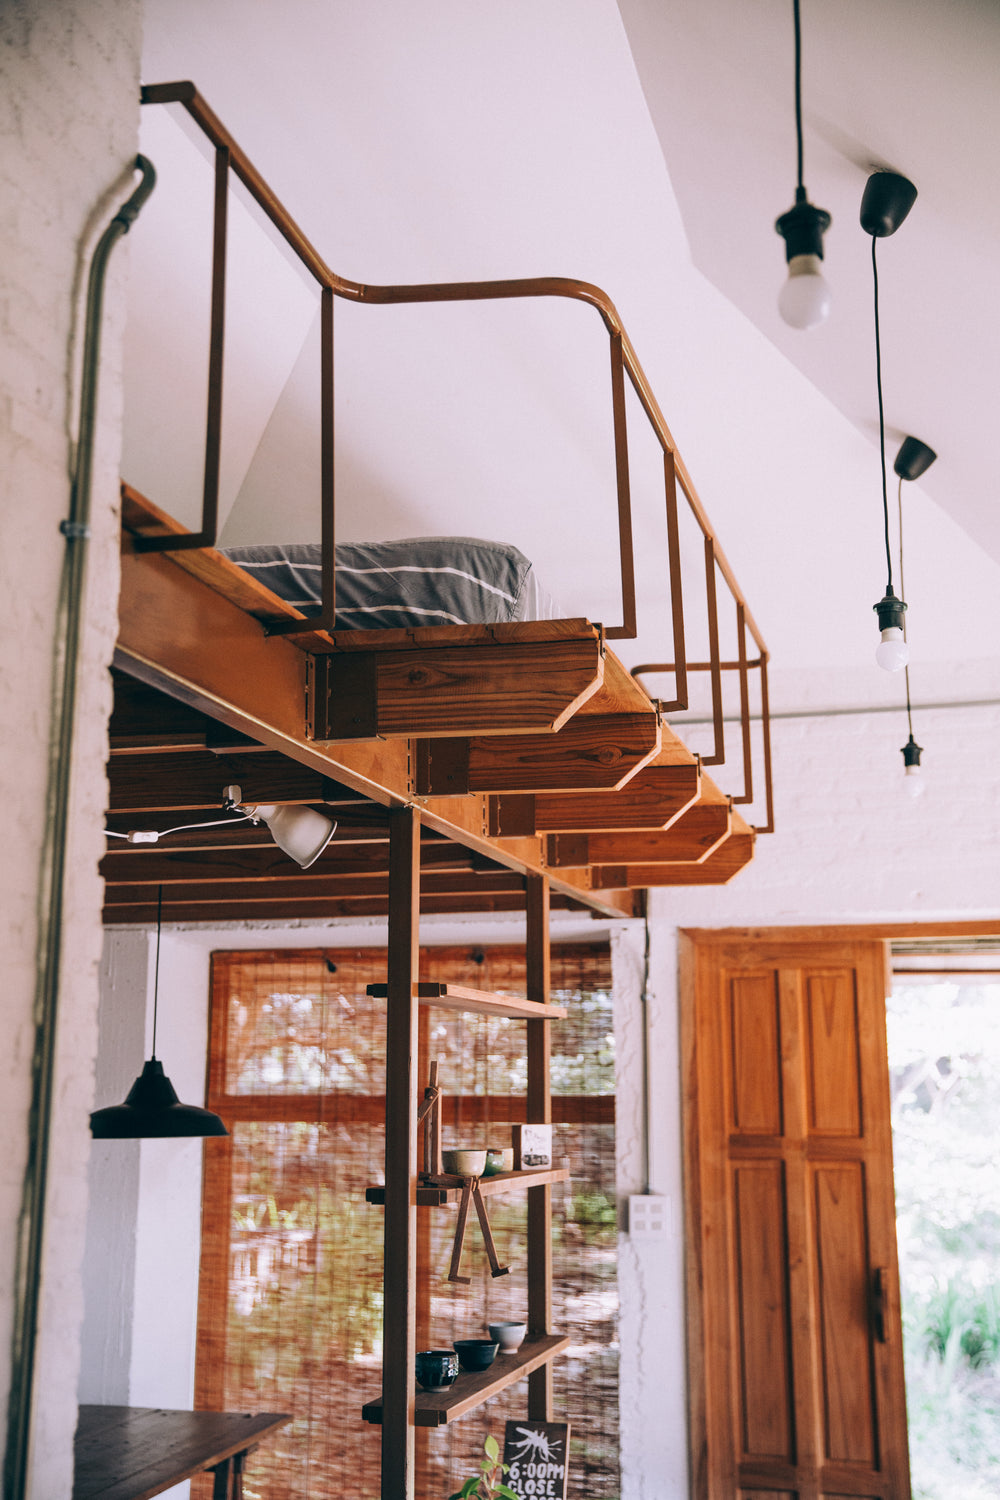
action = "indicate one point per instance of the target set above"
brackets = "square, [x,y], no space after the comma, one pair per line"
[476,1354]
[436,1368]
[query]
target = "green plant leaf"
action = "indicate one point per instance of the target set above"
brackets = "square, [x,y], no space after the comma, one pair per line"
[492,1447]
[506,1492]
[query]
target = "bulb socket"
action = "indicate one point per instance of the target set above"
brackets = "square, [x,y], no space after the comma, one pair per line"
[913,459]
[802,228]
[911,753]
[890,611]
[885,203]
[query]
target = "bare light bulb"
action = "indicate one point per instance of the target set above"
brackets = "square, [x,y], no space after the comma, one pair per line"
[804,300]
[913,782]
[892,653]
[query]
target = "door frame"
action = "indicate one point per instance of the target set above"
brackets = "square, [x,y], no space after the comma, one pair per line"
[692,941]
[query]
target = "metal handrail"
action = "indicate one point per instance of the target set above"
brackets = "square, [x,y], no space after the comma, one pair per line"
[230,157]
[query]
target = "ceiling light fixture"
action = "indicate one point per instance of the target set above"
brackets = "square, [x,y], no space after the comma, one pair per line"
[804,300]
[913,459]
[300,832]
[887,200]
[152,1109]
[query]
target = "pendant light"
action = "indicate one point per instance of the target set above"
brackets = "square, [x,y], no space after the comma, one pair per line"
[152,1108]
[913,459]
[887,200]
[804,300]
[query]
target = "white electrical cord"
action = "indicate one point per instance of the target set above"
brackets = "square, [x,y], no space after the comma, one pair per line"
[152,836]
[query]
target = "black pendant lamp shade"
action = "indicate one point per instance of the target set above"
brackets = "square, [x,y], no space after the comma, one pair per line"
[152,1109]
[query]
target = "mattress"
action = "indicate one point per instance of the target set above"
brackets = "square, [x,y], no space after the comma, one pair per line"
[451,580]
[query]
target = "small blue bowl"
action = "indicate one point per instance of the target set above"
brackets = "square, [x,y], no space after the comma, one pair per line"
[436,1369]
[476,1354]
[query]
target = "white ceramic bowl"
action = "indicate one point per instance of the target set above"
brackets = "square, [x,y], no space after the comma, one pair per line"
[509,1336]
[464,1163]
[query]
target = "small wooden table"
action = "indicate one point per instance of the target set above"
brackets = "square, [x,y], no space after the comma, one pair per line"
[135,1452]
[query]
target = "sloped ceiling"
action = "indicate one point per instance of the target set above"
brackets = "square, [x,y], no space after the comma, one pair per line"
[457,140]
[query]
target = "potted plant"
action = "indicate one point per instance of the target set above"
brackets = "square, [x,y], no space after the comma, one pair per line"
[488,1483]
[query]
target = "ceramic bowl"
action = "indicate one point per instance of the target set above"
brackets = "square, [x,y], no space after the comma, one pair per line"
[509,1336]
[476,1354]
[499,1159]
[464,1163]
[436,1368]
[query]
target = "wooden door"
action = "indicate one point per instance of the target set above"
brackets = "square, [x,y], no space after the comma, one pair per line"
[795,1343]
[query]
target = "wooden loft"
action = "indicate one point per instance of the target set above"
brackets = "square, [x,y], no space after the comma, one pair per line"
[508,767]
[527,748]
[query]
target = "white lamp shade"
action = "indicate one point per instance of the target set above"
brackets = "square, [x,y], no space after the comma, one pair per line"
[300,832]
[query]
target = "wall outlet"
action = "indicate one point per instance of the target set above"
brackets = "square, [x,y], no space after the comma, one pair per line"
[650,1217]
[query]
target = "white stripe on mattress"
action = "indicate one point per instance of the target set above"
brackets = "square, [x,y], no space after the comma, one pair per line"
[405,609]
[396,568]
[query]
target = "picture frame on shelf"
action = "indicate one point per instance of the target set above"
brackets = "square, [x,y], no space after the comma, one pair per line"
[532,1147]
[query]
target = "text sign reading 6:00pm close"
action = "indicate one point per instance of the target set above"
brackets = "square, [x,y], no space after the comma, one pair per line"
[538,1457]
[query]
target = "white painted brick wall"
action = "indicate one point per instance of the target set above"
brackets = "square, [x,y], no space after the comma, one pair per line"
[850,846]
[69,79]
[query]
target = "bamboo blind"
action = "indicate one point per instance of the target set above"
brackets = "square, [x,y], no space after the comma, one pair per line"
[291,1289]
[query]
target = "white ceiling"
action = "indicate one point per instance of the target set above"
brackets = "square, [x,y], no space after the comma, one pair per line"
[459,139]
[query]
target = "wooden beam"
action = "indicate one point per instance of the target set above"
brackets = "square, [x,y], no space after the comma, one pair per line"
[400,1256]
[188,779]
[303,889]
[269,864]
[591,751]
[486,688]
[352,906]
[539,1111]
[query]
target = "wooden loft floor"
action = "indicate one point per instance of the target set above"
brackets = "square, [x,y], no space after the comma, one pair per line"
[528,748]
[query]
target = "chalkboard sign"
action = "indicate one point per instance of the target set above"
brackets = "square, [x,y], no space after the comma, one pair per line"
[538,1455]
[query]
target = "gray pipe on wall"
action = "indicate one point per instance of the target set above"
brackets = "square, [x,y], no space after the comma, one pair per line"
[76,529]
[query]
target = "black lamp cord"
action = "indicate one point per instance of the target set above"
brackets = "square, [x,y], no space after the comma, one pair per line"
[156,967]
[902,590]
[881,423]
[798,94]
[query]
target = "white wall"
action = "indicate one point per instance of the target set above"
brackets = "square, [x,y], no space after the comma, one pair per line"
[850,847]
[69,78]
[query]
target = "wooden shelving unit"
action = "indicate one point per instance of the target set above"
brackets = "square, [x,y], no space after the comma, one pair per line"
[402,1407]
[435,1408]
[478,1002]
[434,1195]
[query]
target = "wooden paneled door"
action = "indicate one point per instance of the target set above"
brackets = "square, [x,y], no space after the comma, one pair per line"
[795,1343]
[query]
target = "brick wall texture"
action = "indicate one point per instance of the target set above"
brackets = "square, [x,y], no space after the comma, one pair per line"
[69,80]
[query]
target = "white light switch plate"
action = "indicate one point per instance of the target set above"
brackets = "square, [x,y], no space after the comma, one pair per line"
[650,1217]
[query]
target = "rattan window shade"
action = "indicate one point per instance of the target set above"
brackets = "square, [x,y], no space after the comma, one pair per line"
[291,1285]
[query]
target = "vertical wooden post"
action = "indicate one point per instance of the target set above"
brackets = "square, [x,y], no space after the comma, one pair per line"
[399,1337]
[539,1112]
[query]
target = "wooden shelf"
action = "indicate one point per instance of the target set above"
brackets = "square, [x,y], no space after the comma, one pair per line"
[479,1002]
[434,1408]
[433,1196]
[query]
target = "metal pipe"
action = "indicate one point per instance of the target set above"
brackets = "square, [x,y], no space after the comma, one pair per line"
[76,529]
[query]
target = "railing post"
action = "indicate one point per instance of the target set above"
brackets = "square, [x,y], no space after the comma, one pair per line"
[627,630]
[719,755]
[741,645]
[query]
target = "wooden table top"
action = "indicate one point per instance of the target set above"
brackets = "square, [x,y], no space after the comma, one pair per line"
[135,1452]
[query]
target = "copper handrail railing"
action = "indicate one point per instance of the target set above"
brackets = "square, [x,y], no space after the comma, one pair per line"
[230,157]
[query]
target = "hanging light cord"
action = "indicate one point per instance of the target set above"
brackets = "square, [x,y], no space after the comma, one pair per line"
[156,966]
[182,828]
[881,421]
[902,590]
[798,88]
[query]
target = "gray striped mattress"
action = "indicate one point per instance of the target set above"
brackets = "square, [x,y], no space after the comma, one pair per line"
[435,580]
